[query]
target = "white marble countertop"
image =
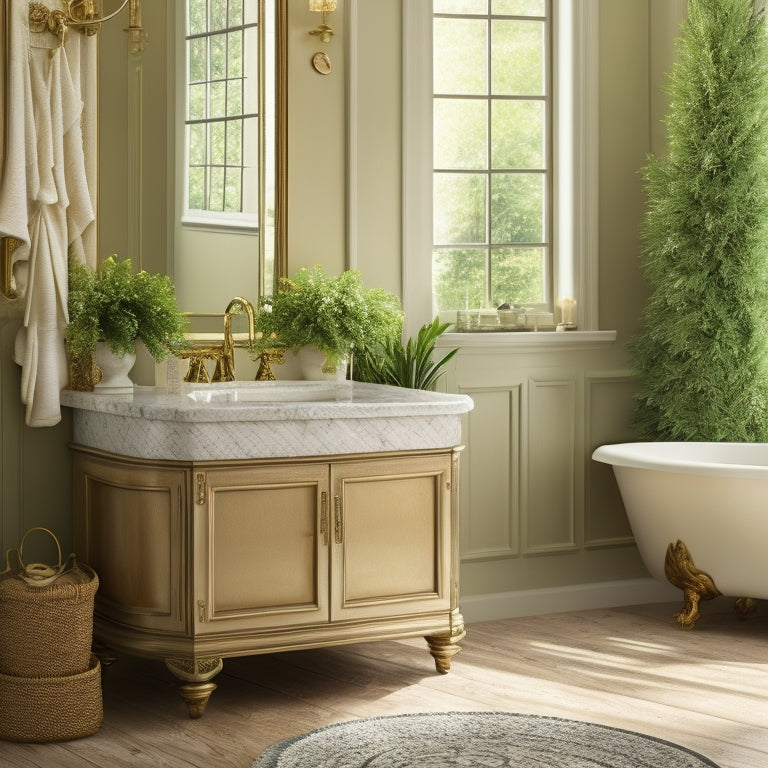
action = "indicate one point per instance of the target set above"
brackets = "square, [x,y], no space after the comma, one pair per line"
[241,420]
[270,401]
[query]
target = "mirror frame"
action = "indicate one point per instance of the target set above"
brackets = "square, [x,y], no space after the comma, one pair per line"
[281,149]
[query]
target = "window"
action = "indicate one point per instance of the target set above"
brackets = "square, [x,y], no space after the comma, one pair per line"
[223,118]
[492,170]
[500,148]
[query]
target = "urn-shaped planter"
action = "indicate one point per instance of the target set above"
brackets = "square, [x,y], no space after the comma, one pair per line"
[114,370]
[311,361]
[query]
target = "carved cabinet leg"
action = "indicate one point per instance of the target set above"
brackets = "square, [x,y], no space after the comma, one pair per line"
[444,647]
[196,675]
[696,585]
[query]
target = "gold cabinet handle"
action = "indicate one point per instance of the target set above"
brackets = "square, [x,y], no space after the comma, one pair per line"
[324,517]
[338,520]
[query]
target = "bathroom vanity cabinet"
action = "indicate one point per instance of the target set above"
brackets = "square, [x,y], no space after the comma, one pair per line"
[200,559]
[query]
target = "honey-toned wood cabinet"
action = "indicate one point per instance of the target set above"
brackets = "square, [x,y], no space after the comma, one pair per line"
[198,561]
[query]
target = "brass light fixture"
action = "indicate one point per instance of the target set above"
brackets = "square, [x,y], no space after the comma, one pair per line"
[324,32]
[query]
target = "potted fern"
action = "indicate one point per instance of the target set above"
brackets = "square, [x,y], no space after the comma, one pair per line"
[109,310]
[334,314]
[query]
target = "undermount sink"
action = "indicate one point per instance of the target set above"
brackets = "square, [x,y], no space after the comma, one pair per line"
[271,392]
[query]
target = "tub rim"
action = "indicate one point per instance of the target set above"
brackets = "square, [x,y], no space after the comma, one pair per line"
[695,458]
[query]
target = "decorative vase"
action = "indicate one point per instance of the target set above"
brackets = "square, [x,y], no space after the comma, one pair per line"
[311,361]
[114,370]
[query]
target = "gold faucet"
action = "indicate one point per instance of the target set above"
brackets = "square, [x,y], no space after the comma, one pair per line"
[218,347]
[225,365]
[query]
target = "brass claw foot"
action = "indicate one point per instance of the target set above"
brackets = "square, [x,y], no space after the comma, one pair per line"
[444,647]
[746,607]
[696,585]
[196,674]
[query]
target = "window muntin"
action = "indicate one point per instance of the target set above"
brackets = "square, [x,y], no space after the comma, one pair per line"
[492,144]
[223,118]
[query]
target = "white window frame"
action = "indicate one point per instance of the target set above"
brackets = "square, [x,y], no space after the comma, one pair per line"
[575,35]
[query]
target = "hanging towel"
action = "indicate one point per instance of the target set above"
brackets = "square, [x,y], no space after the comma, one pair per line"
[46,174]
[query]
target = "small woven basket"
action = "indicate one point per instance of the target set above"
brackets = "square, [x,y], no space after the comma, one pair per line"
[44,709]
[46,630]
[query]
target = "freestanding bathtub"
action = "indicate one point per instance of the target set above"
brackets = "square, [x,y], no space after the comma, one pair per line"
[699,514]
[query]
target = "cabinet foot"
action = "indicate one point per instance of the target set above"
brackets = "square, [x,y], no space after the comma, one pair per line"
[196,675]
[444,647]
[196,696]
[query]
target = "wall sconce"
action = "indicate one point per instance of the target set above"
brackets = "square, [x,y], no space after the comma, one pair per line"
[324,32]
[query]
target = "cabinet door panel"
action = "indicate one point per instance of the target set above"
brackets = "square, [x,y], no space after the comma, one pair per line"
[267,562]
[392,551]
[128,528]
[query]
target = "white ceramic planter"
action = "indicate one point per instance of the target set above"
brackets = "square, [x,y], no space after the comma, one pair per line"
[311,361]
[114,371]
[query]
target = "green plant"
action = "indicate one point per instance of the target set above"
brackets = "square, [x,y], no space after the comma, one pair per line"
[334,313]
[701,356]
[404,365]
[118,306]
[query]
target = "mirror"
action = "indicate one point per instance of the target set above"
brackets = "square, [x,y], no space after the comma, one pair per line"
[141,135]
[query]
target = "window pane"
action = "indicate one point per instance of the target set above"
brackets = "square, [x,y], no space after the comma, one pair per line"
[218,103]
[216,187]
[196,136]
[234,99]
[196,195]
[232,201]
[518,275]
[234,142]
[235,54]
[218,60]
[518,7]
[196,17]
[460,64]
[459,203]
[517,58]
[218,16]
[198,101]
[235,13]
[458,278]
[198,60]
[518,132]
[517,208]
[461,134]
[460,6]
[218,143]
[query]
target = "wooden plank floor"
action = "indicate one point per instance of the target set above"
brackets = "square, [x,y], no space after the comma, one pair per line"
[627,667]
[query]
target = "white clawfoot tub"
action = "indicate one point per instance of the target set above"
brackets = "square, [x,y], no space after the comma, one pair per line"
[699,514]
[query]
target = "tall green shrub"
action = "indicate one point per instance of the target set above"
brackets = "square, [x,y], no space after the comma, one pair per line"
[701,352]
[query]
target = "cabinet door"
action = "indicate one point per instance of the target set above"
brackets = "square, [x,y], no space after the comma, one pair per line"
[261,548]
[130,527]
[391,537]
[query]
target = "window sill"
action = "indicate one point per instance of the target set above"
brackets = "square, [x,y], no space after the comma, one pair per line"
[538,340]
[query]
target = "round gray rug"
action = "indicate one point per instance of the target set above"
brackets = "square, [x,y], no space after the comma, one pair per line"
[475,740]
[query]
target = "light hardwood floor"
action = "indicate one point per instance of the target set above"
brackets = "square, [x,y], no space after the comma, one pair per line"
[627,667]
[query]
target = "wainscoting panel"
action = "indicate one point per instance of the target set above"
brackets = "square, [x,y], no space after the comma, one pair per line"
[538,516]
[609,411]
[35,465]
[490,468]
[549,522]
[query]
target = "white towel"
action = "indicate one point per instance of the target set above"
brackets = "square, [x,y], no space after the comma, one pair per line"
[46,174]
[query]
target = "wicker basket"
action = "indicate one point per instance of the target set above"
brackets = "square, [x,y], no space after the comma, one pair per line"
[46,631]
[44,709]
